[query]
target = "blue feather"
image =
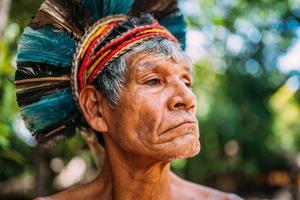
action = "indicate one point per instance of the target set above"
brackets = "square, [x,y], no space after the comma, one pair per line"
[177,26]
[103,8]
[49,111]
[46,45]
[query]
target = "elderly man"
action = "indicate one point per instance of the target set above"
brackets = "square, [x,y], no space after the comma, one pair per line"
[131,83]
[152,123]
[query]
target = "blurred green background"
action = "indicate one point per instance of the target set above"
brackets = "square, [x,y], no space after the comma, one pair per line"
[247,80]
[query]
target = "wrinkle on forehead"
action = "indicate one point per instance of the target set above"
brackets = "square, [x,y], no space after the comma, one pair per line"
[151,65]
[142,61]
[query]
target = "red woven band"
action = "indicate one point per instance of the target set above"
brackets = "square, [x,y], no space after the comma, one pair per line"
[91,65]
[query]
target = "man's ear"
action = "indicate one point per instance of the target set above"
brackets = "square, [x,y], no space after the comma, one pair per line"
[91,102]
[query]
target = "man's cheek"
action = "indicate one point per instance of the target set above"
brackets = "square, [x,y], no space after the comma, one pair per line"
[147,128]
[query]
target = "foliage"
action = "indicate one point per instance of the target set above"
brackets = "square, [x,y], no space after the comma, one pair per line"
[237,81]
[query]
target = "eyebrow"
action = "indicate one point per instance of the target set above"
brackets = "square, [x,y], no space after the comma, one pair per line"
[149,66]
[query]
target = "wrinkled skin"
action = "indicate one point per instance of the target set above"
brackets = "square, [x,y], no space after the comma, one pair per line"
[153,124]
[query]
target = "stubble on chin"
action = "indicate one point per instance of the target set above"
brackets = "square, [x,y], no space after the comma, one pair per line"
[188,150]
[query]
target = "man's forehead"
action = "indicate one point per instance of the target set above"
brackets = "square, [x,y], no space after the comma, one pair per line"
[148,62]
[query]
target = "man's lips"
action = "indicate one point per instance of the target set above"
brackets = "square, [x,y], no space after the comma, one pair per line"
[186,123]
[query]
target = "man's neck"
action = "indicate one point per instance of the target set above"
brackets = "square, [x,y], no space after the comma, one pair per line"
[131,177]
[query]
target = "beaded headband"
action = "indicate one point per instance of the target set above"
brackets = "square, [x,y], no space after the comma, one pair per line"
[88,62]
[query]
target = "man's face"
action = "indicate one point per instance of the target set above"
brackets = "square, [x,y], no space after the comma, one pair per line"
[156,112]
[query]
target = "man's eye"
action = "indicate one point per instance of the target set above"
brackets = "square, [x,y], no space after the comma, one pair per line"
[188,84]
[153,82]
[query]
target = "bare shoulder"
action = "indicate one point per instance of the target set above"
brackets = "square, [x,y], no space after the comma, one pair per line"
[189,190]
[64,195]
[86,191]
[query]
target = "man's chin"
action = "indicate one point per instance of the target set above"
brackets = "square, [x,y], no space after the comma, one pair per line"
[189,150]
[179,148]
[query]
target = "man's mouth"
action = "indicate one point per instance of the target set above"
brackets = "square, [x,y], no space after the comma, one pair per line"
[185,124]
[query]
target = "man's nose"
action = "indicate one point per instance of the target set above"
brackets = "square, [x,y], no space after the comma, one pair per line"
[182,97]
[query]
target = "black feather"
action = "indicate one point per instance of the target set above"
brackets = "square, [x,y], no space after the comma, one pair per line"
[30,94]
[160,9]
[27,70]
[65,128]
[68,15]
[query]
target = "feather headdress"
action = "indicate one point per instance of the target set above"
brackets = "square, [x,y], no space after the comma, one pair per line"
[66,45]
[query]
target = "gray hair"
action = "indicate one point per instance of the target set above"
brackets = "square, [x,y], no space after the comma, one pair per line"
[111,79]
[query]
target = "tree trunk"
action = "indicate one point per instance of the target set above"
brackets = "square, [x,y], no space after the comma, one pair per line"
[43,174]
[4,12]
